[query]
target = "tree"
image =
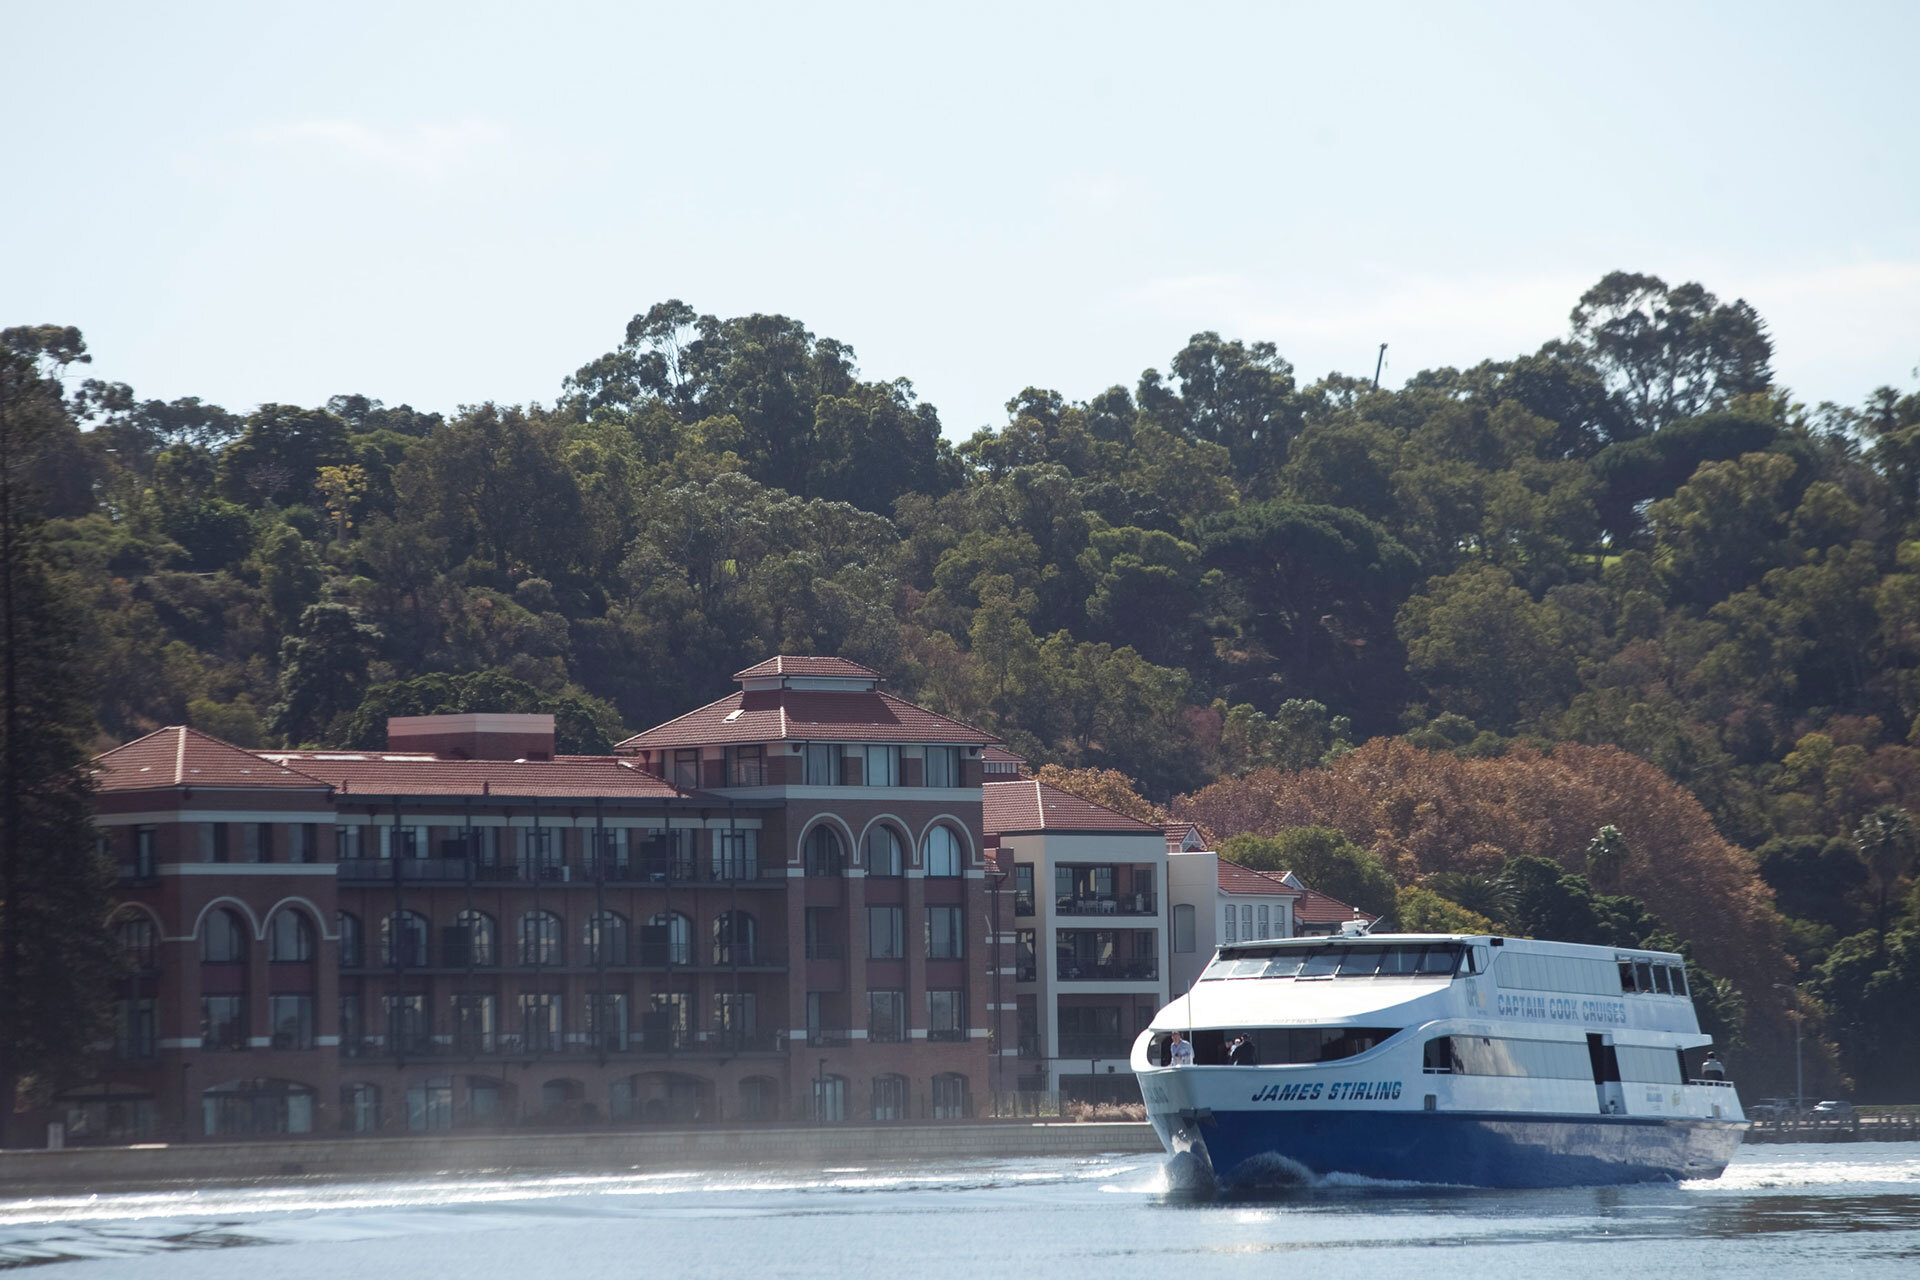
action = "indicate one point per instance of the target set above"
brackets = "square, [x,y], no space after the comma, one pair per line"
[582,724]
[1487,649]
[1671,353]
[1606,856]
[322,671]
[55,954]
[1109,787]
[1887,844]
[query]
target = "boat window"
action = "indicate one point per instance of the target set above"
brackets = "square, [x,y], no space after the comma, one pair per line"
[1220,968]
[1677,976]
[1642,975]
[1320,964]
[1654,1066]
[1360,962]
[1286,964]
[1626,975]
[1249,967]
[1498,1056]
[1660,980]
[1282,1046]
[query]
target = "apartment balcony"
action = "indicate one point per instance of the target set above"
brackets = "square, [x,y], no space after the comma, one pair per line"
[1085,1046]
[1070,970]
[1119,904]
[636,872]
[633,1044]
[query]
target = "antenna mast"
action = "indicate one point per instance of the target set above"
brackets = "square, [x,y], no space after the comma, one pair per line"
[1376,366]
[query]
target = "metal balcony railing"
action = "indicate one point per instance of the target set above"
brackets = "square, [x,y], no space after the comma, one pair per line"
[1116,971]
[1116,904]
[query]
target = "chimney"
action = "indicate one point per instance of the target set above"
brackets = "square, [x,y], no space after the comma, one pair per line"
[474,735]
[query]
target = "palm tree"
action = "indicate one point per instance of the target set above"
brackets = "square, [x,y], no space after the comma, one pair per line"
[1607,858]
[1886,841]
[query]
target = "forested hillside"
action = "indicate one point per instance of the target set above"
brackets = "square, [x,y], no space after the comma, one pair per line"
[1226,582]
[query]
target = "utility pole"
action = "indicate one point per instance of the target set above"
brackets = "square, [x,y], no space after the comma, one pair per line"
[1379,361]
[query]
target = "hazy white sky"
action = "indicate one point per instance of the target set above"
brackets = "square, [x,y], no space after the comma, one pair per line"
[454,202]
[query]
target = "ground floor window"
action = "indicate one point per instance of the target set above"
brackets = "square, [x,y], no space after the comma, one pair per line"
[829,1099]
[950,1097]
[108,1114]
[430,1105]
[759,1099]
[486,1101]
[359,1108]
[889,1098]
[244,1107]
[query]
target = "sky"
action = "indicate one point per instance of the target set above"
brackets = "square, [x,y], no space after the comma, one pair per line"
[448,203]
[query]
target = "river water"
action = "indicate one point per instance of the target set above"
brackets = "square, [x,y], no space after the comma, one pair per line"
[1793,1210]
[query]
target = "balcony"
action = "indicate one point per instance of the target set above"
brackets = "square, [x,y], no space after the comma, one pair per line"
[947,1035]
[1116,904]
[633,871]
[822,1039]
[1094,1046]
[1071,970]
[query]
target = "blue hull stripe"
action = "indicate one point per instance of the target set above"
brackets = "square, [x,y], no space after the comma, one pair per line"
[1463,1148]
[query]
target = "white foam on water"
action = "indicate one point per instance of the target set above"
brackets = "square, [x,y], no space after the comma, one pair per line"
[1827,1166]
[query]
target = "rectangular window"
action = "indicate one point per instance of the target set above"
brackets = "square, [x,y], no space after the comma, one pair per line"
[886,1016]
[946,933]
[1227,933]
[946,1015]
[473,1027]
[823,940]
[213,842]
[348,843]
[292,1019]
[223,1022]
[686,769]
[668,1023]
[1260,921]
[816,1018]
[353,1032]
[746,766]
[539,1022]
[885,934]
[736,854]
[822,764]
[608,856]
[301,841]
[408,1029]
[1023,888]
[134,1033]
[943,767]
[883,767]
[1025,957]
[607,1021]
[403,842]
[255,842]
[1183,922]
[733,1018]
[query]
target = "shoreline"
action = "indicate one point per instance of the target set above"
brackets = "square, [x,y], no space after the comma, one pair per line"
[150,1167]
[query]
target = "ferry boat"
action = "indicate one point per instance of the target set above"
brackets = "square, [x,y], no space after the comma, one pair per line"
[1476,1060]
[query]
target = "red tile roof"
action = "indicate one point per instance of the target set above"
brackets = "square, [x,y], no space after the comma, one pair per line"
[177,756]
[806,715]
[1237,879]
[995,758]
[1315,907]
[376,773]
[1027,804]
[788,664]
[1177,833]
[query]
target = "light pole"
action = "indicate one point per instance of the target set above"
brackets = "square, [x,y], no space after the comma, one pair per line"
[1799,1077]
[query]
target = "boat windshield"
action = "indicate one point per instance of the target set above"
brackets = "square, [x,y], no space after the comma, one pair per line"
[1341,960]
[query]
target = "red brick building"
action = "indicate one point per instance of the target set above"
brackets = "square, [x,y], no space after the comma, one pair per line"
[776,907]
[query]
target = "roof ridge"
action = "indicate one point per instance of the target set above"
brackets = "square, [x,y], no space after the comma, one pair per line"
[677,719]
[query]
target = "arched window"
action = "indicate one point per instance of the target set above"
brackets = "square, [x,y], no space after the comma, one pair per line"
[950,1101]
[352,952]
[475,941]
[825,855]
[889,1098]
[403,941]
[290,936]
[885,857]
[606,938]
[733,938]
[668,940]
[942,850]
[223,938]
[139,941]
[541,939]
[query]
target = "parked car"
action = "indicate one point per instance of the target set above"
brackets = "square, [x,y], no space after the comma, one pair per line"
[1772,1109]
[1835,1109]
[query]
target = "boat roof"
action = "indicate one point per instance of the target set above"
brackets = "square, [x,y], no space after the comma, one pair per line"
[1487,939]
